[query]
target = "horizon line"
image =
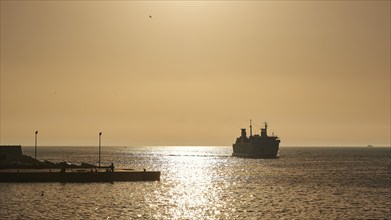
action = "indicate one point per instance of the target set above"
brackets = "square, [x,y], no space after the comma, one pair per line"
[375,146]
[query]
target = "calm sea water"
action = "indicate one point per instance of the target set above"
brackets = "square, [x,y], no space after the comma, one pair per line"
[207,183]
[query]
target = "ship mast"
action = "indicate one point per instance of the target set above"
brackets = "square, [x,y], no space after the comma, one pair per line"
[251,129]
[264,131]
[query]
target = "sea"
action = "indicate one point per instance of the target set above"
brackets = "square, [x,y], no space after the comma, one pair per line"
[206,182]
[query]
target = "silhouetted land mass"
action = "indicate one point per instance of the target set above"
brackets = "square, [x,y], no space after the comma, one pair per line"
[11,156]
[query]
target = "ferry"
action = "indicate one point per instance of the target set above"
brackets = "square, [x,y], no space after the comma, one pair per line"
[256,146]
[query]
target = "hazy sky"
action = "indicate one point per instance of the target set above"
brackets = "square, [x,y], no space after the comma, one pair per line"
[195,73]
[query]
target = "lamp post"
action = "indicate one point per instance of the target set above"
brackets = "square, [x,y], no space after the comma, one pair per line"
[100,134]
[36,137]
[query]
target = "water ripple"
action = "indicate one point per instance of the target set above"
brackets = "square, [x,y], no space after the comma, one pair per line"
[206,183]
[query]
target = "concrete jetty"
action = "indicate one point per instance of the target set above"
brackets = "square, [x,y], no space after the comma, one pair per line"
[76,175]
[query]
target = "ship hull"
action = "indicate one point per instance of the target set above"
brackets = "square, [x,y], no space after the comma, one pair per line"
[262,149]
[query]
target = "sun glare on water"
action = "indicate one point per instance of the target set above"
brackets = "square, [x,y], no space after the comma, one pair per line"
[196,193]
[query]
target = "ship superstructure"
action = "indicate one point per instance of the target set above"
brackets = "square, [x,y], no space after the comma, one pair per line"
[256,146]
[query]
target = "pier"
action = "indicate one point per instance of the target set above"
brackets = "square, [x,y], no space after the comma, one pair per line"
[76,175]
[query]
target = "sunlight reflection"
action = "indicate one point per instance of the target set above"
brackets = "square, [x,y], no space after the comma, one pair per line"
[193,190]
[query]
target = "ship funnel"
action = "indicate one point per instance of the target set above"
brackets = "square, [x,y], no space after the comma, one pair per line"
[244,135]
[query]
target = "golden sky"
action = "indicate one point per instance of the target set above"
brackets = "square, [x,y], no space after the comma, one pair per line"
[194,73]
